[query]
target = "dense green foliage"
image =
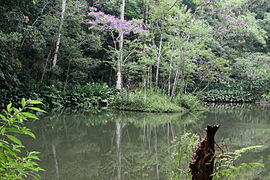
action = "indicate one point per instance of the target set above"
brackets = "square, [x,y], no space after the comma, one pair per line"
[88,96]
[185,50]
[15,162]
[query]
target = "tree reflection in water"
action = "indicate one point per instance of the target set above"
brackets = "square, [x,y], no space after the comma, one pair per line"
[126,145]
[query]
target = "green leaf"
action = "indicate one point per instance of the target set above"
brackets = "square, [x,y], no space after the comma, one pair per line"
[29,115]
[37,109]
[34,102]
[3,130]
[256,164]
[2,156]
[10,151]
[9,107]
[3,117]
[33,157]
[27,132]
[14,139]
[15,130]
[23,102]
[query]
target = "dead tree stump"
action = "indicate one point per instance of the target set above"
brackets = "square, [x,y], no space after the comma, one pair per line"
[202,163]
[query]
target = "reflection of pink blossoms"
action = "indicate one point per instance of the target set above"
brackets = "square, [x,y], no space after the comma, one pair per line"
[104,21]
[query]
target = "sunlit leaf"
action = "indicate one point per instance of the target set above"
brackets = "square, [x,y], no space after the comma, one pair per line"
[34,102]
[37,109]
[23,102]
[14,139]
[29,115]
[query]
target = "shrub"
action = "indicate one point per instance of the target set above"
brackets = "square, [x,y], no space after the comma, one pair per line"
[14,165]
[189,102]
[137,101]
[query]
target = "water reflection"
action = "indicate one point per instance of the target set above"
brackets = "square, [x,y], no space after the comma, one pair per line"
[125,145]
[107,145]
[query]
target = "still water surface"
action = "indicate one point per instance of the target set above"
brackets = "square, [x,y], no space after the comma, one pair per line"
[125,145]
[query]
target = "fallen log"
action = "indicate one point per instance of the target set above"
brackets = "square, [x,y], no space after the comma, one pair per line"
[202,163]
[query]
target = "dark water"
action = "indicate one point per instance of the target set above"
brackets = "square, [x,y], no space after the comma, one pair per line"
[124,145]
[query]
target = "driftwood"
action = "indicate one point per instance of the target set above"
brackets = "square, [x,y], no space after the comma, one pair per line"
[202,163]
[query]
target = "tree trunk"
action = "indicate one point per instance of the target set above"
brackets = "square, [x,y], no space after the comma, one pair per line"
[199,93]
[44,70]
[175,81]
[202,163]
[59,32]
[170,73]
[177,74]
[158,60]
[121,43]
[144,86]
[150,78]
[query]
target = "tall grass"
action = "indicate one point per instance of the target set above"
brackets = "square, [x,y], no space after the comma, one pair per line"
[138,101]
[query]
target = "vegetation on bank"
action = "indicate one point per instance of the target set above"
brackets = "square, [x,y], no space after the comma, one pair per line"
[52,50]
[99,96]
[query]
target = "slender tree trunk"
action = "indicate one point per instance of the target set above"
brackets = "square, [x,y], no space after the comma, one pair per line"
[59,32]
[158,60]
[199,93]
[121,43]
[44,70]
[144,86]
[150,78]
[177,74]
[170,72]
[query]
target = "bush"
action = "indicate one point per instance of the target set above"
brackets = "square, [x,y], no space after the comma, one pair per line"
[15,165]
[189,102]
[137,101]
[91,95]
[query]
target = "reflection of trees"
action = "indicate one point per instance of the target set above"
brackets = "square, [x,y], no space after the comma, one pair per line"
[118,144]
[108,145]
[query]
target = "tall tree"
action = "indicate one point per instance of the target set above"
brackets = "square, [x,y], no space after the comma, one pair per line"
[59,32]
[121,43]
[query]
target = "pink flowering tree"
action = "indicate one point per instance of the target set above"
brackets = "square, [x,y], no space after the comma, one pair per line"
[230,22]
[118,28]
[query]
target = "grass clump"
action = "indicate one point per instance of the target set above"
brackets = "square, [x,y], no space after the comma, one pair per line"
[138,101]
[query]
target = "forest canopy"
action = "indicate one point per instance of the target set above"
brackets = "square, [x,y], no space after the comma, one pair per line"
[173,46]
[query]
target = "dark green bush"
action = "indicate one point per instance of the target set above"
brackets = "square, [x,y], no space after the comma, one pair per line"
[92,95]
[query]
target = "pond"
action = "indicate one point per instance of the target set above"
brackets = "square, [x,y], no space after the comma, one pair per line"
[127,145]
